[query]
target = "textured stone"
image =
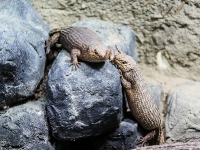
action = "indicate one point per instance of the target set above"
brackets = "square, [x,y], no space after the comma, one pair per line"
[183,111]
[22,61]
[174,146]
[156,92]
[124,137]
[113,34]
[85,102]
[25,127]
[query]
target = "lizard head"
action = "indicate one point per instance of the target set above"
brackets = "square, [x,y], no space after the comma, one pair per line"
[123,62]
[98,53]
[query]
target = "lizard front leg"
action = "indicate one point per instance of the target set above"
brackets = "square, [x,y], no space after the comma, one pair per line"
[126,84]
[74,58]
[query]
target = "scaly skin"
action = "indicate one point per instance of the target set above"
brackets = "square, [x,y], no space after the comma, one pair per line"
[82,43]
[140,102]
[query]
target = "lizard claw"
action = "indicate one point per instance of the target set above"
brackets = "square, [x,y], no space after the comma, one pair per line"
[75,65]
[142,141]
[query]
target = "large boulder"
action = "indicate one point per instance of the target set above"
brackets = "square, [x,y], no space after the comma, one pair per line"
[183,111]
[113,34]
[85,102]
[22,61]
[25,127]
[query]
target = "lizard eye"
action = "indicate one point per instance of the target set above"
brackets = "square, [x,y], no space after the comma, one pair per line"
[123,62]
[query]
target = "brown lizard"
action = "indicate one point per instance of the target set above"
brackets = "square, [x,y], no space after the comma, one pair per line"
[174,146]
[140,102]
[82,43]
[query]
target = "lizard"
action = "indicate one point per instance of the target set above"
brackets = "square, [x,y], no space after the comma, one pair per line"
[141,104]
[82,43]
[173,146]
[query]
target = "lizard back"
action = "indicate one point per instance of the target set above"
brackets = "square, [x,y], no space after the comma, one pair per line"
[141,104]
[78,37]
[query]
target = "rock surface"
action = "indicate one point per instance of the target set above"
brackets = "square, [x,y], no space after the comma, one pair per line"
[124,137]
[174,146]
[22,61]
[25,127]
[156,92]
[170,43]
[113,34]
[183,111]
[85,102]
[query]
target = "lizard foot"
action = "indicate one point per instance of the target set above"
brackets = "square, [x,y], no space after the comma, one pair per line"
[149,136]
[142,141]
[75,65]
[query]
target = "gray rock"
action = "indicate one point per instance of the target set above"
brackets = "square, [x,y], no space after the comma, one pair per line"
[183,111]
[124,137]
[156,92]
[22,61]
[24,127]
[85,102]
[113,34]
[173,146]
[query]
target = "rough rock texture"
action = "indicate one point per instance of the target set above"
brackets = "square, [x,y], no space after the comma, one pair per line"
[124,137]
[171,44]
[156,91]
[85,102]
[183,111]
[22,61]
[24,127]
[174,146]
[113,34]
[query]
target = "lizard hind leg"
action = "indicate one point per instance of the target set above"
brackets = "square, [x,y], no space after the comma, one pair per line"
[149,136]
